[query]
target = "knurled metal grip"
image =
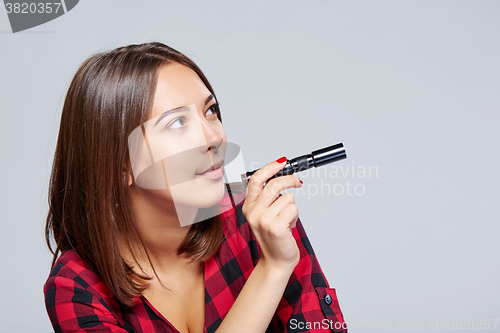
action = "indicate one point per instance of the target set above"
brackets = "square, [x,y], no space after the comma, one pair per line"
[301,163]
[317,158]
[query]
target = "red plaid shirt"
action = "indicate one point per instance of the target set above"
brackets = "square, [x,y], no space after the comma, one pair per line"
[77,300]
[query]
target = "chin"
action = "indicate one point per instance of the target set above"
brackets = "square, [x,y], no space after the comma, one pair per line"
[198,193]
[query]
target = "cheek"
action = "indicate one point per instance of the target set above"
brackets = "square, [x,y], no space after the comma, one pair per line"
[181,168]
[177,149]
[161,146]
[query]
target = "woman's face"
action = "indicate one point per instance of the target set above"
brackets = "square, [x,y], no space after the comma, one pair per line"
[178,154]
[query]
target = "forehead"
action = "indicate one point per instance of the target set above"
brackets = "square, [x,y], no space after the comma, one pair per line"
[177,86]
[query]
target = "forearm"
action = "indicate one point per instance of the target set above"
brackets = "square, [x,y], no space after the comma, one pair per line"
[257,302]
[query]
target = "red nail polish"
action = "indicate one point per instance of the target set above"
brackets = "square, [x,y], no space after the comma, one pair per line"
[300,180]
[281,159]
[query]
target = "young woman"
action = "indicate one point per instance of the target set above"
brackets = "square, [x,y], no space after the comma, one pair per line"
[129,180]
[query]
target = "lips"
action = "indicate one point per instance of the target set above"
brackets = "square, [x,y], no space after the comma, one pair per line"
[214,172]
[213,167]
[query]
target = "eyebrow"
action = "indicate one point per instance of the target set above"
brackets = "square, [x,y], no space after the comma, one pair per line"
[209,98]
[179,109]
[166,113]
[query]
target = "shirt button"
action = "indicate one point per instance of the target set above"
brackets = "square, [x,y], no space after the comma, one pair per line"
[328,299]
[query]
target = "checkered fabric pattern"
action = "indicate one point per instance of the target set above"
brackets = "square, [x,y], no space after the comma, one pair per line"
[77,300]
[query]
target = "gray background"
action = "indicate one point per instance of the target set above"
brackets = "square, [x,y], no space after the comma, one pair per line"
[410,87]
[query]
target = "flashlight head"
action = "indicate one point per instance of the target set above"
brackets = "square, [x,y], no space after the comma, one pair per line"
[329,154]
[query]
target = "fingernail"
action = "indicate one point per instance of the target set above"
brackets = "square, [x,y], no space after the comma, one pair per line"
[281,159]
[300,180]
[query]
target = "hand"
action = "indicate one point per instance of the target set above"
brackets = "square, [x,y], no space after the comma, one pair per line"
[272,217]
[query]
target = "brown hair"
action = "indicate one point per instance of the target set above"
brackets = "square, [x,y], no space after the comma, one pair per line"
[111,94]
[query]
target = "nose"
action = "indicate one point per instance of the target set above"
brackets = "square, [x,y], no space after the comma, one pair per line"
[214,136]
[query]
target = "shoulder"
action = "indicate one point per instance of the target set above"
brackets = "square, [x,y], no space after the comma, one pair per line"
[70,270]
[237,229]
[235,226]
[238,233]
[234,223]
[238,251]
[75,296]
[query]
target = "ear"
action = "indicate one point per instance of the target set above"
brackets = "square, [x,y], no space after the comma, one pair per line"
[127,177]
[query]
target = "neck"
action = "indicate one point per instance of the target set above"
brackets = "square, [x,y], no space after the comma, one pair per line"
[160,230]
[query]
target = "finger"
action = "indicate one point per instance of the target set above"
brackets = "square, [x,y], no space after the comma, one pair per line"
[272,189]
[286,220]
[256,182]
[279,204]
[288,215]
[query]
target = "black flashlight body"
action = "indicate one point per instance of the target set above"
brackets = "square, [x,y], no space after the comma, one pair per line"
[316,159]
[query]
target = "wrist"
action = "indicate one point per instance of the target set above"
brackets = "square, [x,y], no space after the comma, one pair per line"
[273,270]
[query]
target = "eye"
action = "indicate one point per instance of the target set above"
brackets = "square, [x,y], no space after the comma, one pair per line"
[177,123]
[213,110]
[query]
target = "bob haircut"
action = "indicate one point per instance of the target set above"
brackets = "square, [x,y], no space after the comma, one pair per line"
[89,201]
